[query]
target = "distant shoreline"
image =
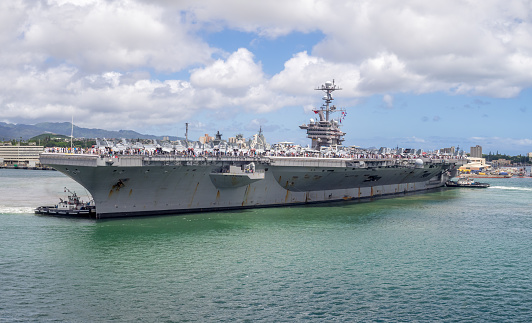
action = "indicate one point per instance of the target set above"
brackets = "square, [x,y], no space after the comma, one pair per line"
[27,167]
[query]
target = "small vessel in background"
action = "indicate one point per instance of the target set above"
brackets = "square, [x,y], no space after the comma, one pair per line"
[71,207]
[466,182]
[483,175]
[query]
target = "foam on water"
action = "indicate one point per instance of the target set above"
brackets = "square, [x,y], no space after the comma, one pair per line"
[513,188]
[16,210]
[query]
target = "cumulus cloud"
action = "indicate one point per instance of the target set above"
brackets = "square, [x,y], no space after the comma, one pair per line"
[475,47]
[98,100]
[468,46]
[271,19]
[304,71]
[99,35]
[238,72]
[387,73]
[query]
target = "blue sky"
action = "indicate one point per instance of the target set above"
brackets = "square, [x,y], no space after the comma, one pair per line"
[416,74]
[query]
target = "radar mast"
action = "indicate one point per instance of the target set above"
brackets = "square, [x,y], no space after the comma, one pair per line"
[326,132]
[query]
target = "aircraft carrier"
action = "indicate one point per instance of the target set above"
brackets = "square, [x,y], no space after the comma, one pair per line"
[172,183]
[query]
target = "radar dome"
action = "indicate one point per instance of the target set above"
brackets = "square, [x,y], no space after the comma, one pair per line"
[419,163]
[328,84]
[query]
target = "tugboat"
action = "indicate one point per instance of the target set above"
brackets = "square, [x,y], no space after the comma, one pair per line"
[466,182]
[73,207]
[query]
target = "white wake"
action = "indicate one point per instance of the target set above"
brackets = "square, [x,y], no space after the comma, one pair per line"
[512,188]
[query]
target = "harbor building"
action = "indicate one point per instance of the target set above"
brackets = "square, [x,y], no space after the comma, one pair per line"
[206,139]
[20,155]
[476,151]
[501,162]
[448,151]
[475,164]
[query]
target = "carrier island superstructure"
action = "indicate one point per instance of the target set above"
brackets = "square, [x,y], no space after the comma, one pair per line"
[172,183]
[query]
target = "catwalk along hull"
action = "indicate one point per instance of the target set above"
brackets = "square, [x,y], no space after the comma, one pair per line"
[142,185]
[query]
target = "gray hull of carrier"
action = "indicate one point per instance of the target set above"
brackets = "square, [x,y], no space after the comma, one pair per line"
[152,185]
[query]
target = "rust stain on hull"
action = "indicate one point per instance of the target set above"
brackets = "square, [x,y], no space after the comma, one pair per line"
[217,200]
[193,194]
[246,194]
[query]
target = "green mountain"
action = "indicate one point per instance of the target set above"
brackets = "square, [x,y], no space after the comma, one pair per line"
[10,131]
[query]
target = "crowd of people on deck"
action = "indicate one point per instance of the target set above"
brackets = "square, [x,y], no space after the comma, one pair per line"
[191,153]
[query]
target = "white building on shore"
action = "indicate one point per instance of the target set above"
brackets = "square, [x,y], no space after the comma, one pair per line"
[20,155]
[475,164]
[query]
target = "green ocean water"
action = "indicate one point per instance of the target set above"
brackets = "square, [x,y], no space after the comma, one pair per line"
[447,255]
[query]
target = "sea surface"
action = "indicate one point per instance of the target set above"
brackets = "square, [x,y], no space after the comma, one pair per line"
[448,255]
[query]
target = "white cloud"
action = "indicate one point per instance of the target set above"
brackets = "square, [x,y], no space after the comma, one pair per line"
[96,100]
[388,100]
[239,72]
[522,143]
[271,19]
[304,71]
[100,35]
[414,139]
[476,47]
[387,73]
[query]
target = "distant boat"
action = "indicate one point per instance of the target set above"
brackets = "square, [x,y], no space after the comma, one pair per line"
[490,175]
